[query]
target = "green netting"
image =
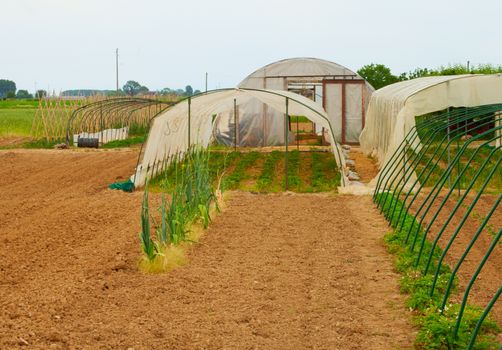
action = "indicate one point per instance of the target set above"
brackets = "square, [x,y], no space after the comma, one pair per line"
[126,186]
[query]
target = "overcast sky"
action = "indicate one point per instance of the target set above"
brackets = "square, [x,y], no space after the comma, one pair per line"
[67,44]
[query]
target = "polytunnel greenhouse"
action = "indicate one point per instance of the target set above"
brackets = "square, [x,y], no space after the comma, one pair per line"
[193,121]
[342,93]
[438,141]
[392,110]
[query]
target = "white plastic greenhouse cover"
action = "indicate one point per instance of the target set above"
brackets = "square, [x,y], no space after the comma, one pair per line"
[168,134]
[301,67]
[392,109]
[260,125]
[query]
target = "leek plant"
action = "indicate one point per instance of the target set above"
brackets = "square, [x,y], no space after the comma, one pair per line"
[190,198]
[147,243]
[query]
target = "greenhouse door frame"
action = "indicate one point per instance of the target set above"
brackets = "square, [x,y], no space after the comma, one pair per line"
[344,83]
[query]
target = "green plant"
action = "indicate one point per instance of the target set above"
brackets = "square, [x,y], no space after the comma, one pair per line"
[14,120]
[40,143]
[299,119]
[436,329]
[260,171]
[233,180]
[294,180]
[266,177]
[204,215]
[436,326]
[192,193]
[147,243]
[130,141]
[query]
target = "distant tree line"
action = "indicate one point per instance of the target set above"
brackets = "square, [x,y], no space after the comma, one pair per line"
[86,92]
[8,89]
[132,88]
[379,75]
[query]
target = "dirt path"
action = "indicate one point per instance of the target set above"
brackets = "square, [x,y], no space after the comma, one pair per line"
[272,272]
[366,167]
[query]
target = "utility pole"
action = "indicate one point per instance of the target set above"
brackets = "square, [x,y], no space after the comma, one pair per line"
[206,81]
[468,66]
[117,67]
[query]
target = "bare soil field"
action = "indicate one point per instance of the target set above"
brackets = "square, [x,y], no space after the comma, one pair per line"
[282,271]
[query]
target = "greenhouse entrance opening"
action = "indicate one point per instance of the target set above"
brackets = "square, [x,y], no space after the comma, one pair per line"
[347,106]
[304,131]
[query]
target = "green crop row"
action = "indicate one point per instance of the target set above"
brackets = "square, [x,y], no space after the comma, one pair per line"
[246,160]
[264,172]
[267,175]
[189,201]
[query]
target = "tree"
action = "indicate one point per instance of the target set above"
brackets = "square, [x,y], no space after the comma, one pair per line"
[452,69]
[143,90]
[40,94]
[167,91]
[132,88]
[188,90]
[378,75]
[7,86]
[417,73]
[114,93]
[23,94]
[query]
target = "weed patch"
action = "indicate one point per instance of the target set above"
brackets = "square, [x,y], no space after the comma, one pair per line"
[130,141]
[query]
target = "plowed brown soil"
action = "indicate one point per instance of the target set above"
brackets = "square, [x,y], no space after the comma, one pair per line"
[488,281]
[272,272]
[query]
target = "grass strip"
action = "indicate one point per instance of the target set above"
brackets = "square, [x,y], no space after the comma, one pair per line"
[130,141]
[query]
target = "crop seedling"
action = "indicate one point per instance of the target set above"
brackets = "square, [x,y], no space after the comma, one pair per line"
[266,177]
[233,180]
[145,236]
[294,180]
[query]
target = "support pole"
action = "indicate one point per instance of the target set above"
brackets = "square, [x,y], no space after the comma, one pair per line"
[235,124]
[189,117]
[286,129]
[297,133]
[101,122]
[449,156]
[457,134]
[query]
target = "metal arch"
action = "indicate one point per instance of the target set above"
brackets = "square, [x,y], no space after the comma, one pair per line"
[412,135]
[111,110]
[484,122]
